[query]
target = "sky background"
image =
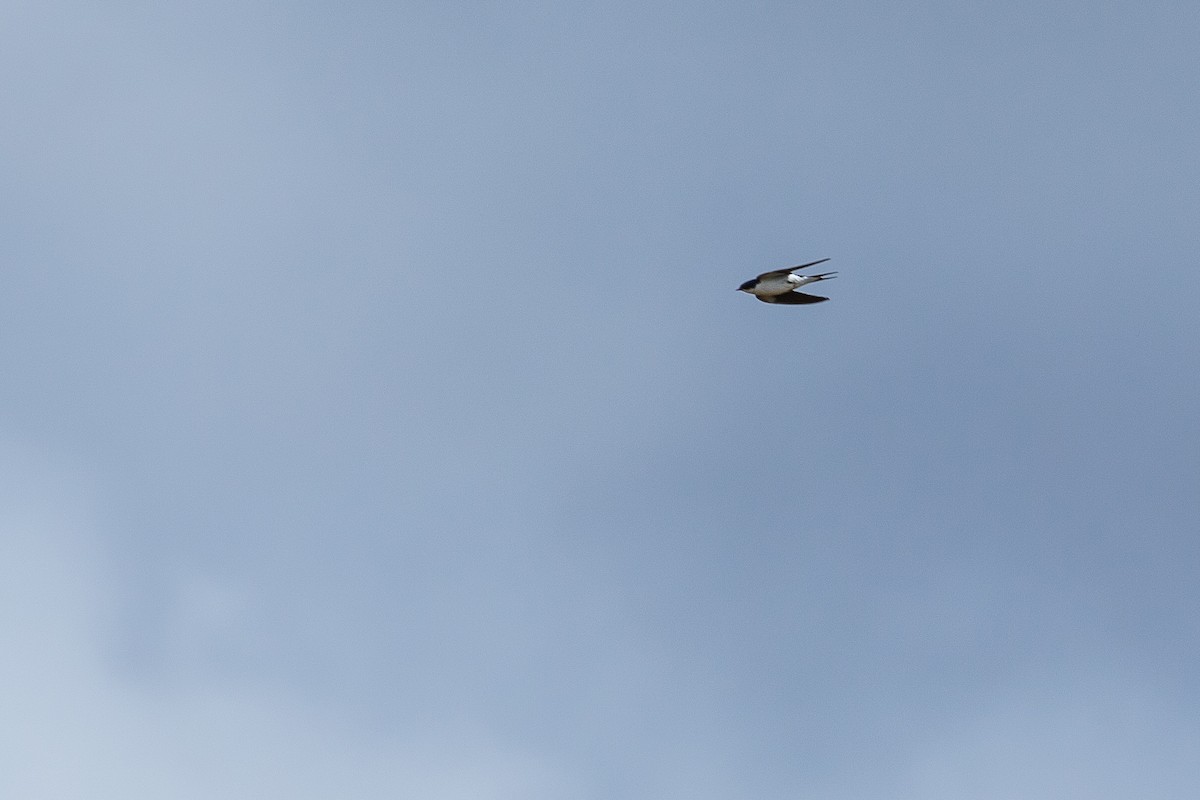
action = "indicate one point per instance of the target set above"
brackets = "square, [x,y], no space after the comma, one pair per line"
[378,417]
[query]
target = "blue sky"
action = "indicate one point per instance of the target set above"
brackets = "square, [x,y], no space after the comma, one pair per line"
[379,418]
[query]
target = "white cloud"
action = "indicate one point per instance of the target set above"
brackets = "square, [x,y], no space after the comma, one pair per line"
[73,728]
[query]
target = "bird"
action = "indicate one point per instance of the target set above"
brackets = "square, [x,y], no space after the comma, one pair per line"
[778,286]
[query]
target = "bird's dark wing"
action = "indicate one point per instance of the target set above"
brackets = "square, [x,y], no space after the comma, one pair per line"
[775,273]
[781,272]
[805,266]
[792,298]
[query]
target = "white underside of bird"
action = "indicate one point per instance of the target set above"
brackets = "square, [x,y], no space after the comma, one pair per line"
[779,284]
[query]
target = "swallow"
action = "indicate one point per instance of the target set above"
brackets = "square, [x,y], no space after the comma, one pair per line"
[778,286]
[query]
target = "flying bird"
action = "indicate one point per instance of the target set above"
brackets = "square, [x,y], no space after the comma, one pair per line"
[779,286]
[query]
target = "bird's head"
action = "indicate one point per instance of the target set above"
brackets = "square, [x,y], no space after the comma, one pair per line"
[748,285]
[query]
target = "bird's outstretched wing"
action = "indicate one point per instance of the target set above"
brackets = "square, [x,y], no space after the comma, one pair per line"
[809,264]
[780,272]
[792,298]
